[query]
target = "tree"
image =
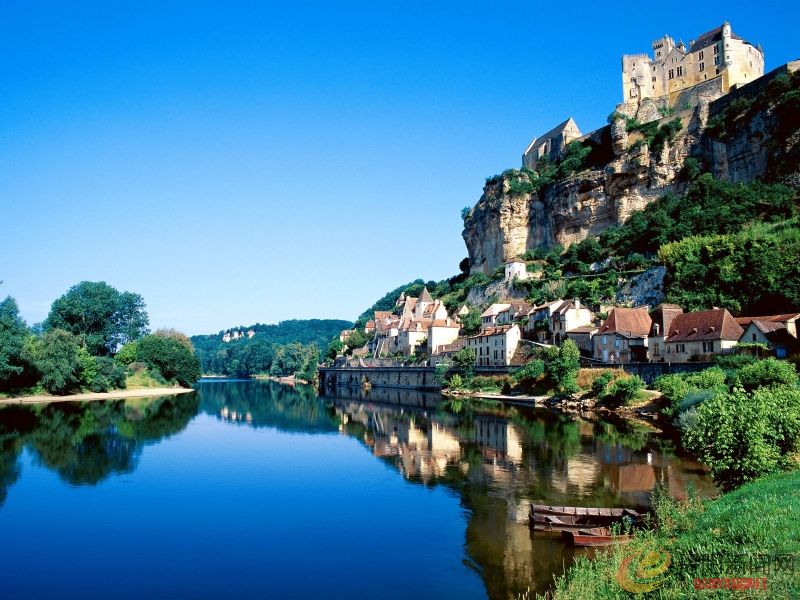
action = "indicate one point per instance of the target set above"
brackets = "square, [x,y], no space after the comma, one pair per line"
[529,372]
[464,360]
[334,349]
[171,357]
[767,373]
[356,339]
[471,322]
[103,318]
[177,335]
[563,365]
[57,358]
[12,342]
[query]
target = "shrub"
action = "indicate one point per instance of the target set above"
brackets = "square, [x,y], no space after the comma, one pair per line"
[530,371]
[600,384]
[674,389]
[623,391]
[766,373]
[482,383]
[742,436]
[456,381]
[562,366]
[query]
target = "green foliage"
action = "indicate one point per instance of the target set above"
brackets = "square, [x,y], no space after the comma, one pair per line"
[456,381]
[14,367]
[471,322]
[767,373]
[562,366]
[623,391]
[170,357]
[57,356]
[742,436]
[677,388]
[334,349]
[356,339]
[755,270]
[464,361]
[531,371]
[308,372]
[465,213]
[102,317]
[600,384]
[126,354]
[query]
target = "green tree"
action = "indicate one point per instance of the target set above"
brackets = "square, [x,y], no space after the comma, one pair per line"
[57,358]
[13,334]
[170,357]
[127,354]
[471,322]
[767,373]
[334,349]
[563,365]
[464,361]
[102,317]
[529,372]
[356,339]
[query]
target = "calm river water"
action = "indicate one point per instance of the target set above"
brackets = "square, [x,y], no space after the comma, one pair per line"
[249,489]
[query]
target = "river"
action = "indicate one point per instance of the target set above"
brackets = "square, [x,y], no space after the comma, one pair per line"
[253,489]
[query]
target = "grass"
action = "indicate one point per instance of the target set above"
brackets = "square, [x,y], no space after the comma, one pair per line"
[142,379]
[713,538]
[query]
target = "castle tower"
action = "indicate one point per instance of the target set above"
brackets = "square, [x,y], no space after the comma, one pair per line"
[727,56]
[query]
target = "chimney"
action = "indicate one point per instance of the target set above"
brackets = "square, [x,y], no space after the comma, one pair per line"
[577,303]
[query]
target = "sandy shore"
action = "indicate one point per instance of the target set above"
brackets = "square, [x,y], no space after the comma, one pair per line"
[140,393]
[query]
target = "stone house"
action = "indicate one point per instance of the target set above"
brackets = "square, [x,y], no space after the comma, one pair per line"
[568,315]
[495,346]
[583,337]
[718,56]
[623,336]
[489,316]
[441,333]
[516,268]
[551,144]
[778,332]
[661,317]
[538,325]
[700,335]
[516,311]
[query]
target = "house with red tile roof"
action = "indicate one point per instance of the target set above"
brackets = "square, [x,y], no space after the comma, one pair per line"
[623,336]
[700,335]
[774,334]
[662,317]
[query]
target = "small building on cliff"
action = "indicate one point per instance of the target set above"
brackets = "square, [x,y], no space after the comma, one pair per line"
[551,144]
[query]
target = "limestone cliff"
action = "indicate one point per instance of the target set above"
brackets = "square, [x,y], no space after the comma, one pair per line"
[627,170]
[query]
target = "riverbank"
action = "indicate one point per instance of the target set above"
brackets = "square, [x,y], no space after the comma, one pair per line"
[698,541]
[115,395]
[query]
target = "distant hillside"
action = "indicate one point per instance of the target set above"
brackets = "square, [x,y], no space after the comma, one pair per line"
[282,349]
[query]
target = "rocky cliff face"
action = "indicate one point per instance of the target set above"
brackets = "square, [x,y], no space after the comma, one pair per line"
[505,223]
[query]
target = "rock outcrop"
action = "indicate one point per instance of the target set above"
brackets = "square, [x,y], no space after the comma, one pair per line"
[625,175]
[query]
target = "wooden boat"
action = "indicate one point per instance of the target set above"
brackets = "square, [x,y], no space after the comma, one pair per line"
[593,537]
[546,518]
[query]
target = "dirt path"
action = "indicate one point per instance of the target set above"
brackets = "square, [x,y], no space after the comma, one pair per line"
[139,393]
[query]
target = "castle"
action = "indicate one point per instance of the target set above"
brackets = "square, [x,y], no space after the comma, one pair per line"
[719,53]
[714,64]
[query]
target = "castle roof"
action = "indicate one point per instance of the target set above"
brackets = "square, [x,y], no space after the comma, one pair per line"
[714,324]
[490,331]
[425,296]
[495,309]
[557,130]
[710,37]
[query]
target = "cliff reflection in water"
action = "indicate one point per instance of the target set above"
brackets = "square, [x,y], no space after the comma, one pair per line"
[501,458]
[86,442]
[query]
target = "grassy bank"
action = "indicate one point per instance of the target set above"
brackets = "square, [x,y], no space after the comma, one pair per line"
[760,518]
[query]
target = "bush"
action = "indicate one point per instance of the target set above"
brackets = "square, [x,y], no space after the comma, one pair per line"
[562,366]
[600,384]
[767,373]
[482,383]
[172,359]
[623,391]
[742,436]
[455,382]
[529,372]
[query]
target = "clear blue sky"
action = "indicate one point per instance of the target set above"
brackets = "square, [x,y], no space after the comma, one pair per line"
[236,162]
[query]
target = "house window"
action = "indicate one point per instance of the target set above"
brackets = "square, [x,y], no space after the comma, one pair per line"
[717,73]
[708,346]
[716,49]
[671,74]
[700,56]
[616,343]
[702,66]
[716,60]
[680,348]
[754,337]
[656,350]
[680,71]
[605,340]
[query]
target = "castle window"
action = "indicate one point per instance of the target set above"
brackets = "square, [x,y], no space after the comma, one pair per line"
[716,60]
[680,71]
[717,71]
[702,66]
[716,48]
[700,56]
[671,74]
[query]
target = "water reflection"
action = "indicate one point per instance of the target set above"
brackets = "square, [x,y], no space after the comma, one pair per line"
[86,442]
[496,458]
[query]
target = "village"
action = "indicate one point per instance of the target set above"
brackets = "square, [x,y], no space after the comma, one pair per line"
[420,330]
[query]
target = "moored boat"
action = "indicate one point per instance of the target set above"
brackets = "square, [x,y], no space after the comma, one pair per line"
[593,537]
[548,518]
